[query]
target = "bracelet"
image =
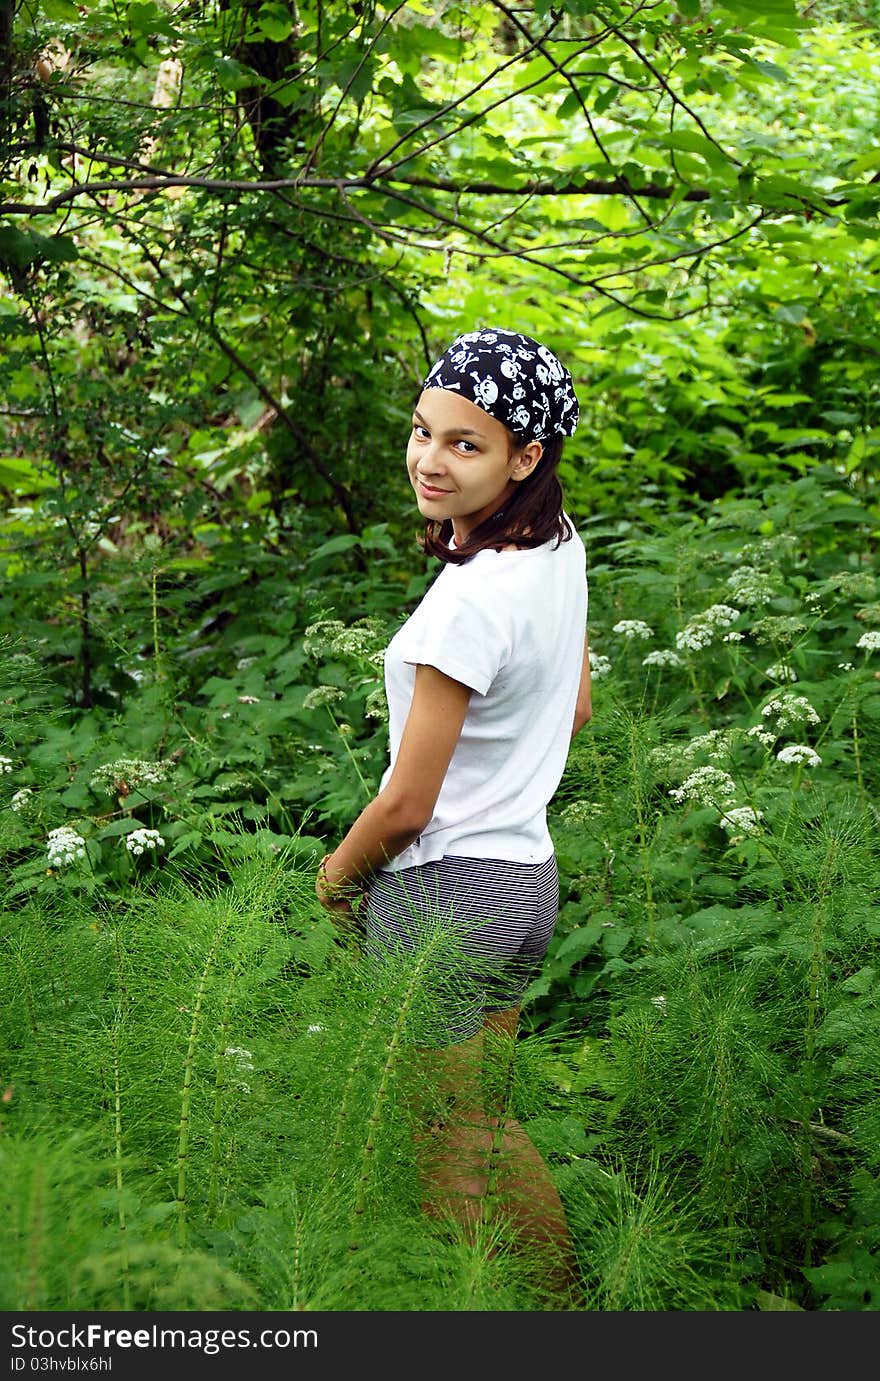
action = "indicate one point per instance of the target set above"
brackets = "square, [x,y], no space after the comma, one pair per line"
[338,891]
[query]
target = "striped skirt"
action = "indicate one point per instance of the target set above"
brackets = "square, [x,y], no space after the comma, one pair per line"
[482,925]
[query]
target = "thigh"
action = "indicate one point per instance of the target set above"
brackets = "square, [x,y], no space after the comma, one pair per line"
[496,915]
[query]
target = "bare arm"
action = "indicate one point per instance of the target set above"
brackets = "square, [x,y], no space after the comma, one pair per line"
[583,710]
[399,813]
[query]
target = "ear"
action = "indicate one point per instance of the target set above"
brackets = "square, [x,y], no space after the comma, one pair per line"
[524,461]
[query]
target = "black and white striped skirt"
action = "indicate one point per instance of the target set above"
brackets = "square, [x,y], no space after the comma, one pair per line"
[488,920]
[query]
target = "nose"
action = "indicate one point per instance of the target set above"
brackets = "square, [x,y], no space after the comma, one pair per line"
[430,461]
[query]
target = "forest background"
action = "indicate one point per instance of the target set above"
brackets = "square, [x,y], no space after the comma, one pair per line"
[233,236]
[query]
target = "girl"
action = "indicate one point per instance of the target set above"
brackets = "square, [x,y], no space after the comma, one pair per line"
[487,683]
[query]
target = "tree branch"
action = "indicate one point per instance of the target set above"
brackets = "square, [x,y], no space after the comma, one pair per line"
[590,186]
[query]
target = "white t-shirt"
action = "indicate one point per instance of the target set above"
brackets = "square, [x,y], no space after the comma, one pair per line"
[510,625]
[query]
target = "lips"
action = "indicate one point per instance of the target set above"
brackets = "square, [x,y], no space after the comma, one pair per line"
[429,492]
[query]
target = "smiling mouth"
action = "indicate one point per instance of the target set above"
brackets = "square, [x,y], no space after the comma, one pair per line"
[429,489]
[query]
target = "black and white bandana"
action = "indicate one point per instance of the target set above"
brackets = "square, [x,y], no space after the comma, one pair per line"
[513,379]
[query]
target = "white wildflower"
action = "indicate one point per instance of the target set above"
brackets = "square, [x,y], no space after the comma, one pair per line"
[248,699]
[797,753]
[322,695]
[6,764]
[780,629]
[242,1062]
[376,704]
[244,663]
[120,776]
[789,709]
[781,671]
[750,587]
[709,786]
[242,1058]
[314,1028]
[715,744]
[633,628]
[140,840]
[579,812]
[761,735]
[870,641]
[21,800]
[64,846]
[358,641]
[319,636]
[659,1001]
[733,637]
[845,666]
[662,657]
[694,637]
[741,820]
[599,665]
[718,616]
[667,757]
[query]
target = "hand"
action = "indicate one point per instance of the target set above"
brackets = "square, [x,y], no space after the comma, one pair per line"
[343,901]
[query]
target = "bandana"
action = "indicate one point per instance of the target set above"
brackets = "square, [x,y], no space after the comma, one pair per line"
[513,378]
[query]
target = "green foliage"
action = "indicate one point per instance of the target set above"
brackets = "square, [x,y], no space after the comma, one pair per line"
[222,283]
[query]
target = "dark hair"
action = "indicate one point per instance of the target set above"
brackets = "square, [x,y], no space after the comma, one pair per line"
[530,517]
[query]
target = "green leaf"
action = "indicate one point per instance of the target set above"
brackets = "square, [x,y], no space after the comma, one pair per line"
[580,941]
[20,248]
[22,476]
[275,21]
[188,840]
[64,10]
[124,825]
[336,544]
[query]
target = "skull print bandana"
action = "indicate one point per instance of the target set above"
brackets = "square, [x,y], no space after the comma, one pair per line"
[513,378]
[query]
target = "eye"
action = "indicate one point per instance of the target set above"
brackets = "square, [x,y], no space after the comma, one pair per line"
[467,446]
[421,432]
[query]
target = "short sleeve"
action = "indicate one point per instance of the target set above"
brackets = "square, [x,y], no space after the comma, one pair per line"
[459,628]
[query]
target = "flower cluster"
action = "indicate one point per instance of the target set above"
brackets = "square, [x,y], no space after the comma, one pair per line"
[797,753]
[376,704]
[709,786]
[633,628]
[332,638]
[64,846]
[241,1062]
[662,657]
[762,735]
[6,764]
[738,821]
[322,695]
[750,586]
[701,629]
[118,778]
[579,812]
[22,799]
[789,709]
[140,840]
[870,641]
[781,671]
[715,744]
[599,665]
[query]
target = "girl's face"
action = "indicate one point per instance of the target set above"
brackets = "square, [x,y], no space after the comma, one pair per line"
[460,461]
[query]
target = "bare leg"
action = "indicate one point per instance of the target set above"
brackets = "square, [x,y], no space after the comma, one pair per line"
[479,1159]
